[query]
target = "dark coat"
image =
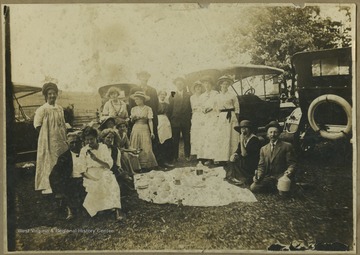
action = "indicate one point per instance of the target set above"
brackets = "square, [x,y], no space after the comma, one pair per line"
[180,110]
[250,162]
[61,173]
[276,163]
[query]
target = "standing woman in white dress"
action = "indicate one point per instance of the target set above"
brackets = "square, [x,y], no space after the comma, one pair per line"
[208,148]
[197,119]
[50,123]
[103,192]
[227,107]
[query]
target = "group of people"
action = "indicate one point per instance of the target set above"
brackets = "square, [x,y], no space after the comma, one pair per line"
[89,168]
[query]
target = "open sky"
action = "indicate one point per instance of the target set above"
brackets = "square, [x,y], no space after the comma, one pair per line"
[85,46]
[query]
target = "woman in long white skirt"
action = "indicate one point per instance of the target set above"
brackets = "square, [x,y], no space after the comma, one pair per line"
[208,148]
[227,108]
[197,119]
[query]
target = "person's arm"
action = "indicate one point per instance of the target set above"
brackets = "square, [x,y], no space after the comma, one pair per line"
[150,122]
[242,146]
[38,119]
[82,158]
[237,107]
[101,162]
[261,166]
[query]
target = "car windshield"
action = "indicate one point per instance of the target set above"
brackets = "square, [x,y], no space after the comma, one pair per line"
[262,85]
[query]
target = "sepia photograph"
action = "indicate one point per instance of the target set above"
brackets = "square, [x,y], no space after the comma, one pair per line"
[179,127]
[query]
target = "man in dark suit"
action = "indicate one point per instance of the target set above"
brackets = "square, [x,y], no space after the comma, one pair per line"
[276,159]
[180,118]
[66,177]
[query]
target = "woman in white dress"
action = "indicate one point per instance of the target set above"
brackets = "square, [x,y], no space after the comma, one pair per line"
[227,107]
[103,192]
[197,119]
[208,148]
[50,123]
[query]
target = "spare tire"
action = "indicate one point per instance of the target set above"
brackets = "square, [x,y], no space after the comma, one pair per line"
[337,100]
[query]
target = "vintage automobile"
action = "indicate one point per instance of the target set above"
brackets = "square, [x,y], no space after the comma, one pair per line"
[257,88]
[324,87]
[25,135]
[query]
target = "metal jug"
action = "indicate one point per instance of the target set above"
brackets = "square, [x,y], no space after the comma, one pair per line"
[284,183]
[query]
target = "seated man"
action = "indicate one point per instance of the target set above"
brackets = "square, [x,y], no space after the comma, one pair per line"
[66,178]
[276,159]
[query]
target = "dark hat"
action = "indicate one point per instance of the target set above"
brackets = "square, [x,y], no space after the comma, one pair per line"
[140,94]
[273,123]
[179,79]
[225,78]
[244,123]
[104,121]
[48,86]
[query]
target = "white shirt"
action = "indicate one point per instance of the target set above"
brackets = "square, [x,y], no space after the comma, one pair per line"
[77,165]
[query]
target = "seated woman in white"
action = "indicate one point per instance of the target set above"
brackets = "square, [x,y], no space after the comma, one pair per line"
[102,189]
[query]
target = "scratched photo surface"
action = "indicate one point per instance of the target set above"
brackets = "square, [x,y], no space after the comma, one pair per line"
[186,155]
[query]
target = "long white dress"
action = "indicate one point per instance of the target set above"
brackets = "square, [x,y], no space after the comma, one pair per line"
[208,148]
[197,124]
[227,105]
[103,193]
[51,142]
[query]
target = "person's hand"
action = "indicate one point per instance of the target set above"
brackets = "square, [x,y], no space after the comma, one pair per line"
[233,157]
[152,136]
[255,179]
[92,155]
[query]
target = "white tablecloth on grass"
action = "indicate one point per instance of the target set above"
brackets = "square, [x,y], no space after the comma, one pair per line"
[184,186]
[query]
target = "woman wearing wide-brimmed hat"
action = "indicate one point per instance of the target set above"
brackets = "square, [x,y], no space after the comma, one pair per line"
[115,107]
[208,149]
[143,131]
[49,121]
[197,118]
[244,161]
[227,107]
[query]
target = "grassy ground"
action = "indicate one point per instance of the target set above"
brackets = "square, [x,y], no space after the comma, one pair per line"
[318,212]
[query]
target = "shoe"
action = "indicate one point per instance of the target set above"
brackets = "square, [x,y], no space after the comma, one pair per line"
[119,216]
[46,191]
[188,159]
[168,165]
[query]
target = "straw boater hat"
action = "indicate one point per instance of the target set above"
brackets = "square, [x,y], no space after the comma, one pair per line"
[121,94]
[225,78]
[48,86]
[273,124]
[104,120]
[140,94]
[244,123]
